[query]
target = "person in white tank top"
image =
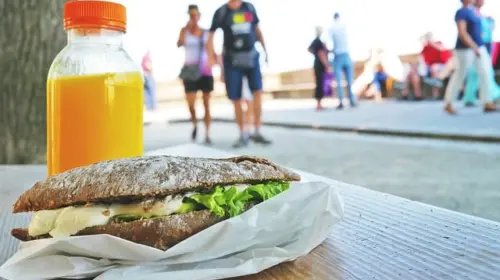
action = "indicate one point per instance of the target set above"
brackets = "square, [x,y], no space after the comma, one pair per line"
[193,38]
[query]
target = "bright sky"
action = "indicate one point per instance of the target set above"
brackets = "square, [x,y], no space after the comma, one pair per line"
[288,27]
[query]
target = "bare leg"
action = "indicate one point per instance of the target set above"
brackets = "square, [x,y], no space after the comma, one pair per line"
[248,115]
[207,118]
[435,74]
[257,109]
[257,113]
[415,83]
[319,107]
[238,113]
[191,101]
[448,68]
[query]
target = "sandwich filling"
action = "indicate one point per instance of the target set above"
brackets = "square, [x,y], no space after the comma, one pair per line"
[227,201]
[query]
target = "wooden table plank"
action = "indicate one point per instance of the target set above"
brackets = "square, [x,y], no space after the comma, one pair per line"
[381,236]
[13,181]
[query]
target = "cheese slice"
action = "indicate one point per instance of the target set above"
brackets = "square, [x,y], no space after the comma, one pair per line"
[70,220]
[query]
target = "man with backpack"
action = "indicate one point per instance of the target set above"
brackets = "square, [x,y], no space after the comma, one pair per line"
[240,25]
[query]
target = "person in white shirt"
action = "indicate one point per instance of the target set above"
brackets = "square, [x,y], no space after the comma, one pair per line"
[342,62]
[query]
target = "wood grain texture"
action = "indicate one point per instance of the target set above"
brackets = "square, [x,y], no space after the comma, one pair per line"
[381,237]
[31,35]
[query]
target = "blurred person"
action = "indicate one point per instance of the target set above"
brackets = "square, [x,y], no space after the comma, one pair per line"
[342,62]
[247,100]
[470,50]
[412,80]
[472,81]
[380,63]
[240,25]
[320,52]
[488,25]
[374,89]
[196,73]
[149,82]
[435,58]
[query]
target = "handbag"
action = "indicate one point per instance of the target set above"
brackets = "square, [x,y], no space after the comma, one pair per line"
[192,73]
[327,84]
[243,59]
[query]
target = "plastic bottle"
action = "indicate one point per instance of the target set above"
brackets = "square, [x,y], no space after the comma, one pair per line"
[95,94]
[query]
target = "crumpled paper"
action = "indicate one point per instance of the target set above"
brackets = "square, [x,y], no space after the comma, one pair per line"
[281,229]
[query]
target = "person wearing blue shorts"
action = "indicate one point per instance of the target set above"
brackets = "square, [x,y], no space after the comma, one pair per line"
[240,25]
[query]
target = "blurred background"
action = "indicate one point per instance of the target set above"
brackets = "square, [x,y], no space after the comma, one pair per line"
[390,144]
[289,27]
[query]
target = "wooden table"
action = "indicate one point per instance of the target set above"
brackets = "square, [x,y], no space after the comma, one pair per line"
[381,236]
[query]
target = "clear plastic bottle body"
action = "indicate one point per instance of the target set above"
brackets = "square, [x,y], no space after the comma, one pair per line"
[94,101]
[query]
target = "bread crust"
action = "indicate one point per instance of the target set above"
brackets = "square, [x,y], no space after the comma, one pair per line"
[134,179]
[160,233]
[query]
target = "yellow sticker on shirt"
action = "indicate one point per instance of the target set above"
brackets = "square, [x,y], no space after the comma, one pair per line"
[238,18]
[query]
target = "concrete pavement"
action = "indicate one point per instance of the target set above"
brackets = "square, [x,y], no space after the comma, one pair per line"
[416,119]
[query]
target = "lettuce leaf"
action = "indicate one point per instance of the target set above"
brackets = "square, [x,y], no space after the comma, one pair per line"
[188,206]
[226,201]
[229,201]
[213,201]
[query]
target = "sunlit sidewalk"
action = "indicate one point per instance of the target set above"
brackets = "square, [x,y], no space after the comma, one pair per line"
[423,119]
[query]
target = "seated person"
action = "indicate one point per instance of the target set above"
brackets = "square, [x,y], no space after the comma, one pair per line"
[374,89]
[413,79]
[435,59]
[392,68]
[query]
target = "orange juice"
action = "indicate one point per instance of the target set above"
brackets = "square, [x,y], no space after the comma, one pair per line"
[93,118]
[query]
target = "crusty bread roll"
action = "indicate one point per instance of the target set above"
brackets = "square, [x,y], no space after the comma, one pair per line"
[136,179]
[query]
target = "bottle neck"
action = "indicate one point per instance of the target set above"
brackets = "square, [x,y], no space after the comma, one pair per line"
[95,36]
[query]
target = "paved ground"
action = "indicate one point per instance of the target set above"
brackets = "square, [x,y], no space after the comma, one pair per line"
[458,176]
[414,117]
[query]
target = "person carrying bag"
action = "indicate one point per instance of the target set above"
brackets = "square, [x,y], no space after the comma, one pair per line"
[196,74]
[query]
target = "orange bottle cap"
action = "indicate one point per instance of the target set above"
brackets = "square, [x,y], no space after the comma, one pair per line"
[96,14]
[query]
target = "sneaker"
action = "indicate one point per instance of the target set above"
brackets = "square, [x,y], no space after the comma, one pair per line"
[340,107]
[240,143]
[258,138]
[449,109]
[208,141]
[469,104]
[490,107]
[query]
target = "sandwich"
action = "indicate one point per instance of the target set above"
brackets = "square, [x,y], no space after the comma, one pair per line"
[156,201]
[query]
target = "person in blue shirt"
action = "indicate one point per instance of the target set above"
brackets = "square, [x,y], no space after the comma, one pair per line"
[240,25]
[472,83]
[342,62]
[470,50]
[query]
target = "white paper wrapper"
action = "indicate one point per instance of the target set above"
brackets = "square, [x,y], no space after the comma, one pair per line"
[281,229]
